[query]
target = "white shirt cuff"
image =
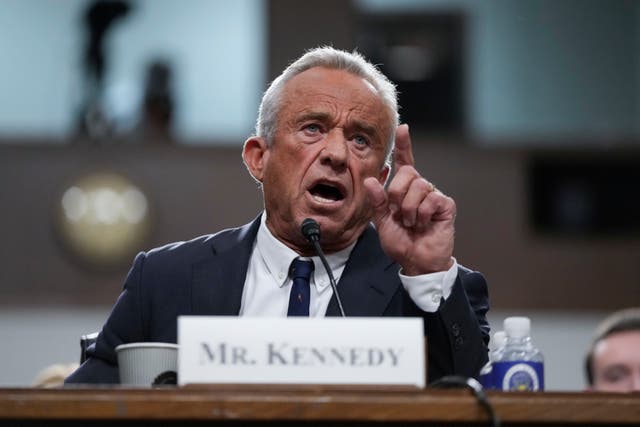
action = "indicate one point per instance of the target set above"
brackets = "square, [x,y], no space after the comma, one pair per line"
[428,290]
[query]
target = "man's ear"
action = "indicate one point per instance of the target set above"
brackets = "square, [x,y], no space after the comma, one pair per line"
[255,154]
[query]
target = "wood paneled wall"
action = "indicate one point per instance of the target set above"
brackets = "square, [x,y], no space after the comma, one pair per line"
[201,190]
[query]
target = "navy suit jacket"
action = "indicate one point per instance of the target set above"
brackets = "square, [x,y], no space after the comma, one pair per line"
[206,276]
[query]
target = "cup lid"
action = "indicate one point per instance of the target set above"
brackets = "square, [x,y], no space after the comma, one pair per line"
[146,345]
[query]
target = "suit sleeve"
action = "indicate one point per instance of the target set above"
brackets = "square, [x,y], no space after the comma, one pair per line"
[458,333]
[124,324]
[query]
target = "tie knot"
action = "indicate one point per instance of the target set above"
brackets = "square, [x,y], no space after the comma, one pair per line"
[301,269]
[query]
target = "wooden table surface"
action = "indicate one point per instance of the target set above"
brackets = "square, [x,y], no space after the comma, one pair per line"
[310,405]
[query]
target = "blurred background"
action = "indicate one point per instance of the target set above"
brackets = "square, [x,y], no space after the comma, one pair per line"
[121,125]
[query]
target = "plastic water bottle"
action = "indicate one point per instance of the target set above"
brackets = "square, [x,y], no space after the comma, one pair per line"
[497,345]
[495,348]
[519,366]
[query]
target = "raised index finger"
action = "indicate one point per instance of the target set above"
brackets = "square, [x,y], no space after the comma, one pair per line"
[403,151]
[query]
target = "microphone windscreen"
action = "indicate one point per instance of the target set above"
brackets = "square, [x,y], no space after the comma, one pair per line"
[310,229]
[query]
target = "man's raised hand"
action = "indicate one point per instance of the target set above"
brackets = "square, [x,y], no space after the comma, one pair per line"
[415,221]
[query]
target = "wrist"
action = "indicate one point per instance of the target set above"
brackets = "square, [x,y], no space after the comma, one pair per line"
[435,267]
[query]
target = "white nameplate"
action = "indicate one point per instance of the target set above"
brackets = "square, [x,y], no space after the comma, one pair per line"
[329,350]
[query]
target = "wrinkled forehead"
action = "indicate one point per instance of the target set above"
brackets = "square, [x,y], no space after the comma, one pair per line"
[319,85]
[333,82]
[371,87]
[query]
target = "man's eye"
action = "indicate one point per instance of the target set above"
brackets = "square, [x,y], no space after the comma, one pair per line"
[313,128]
[360,140]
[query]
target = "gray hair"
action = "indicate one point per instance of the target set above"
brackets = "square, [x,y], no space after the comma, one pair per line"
[327,57]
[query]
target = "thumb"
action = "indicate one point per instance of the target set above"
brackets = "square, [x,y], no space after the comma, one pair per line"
[378,199]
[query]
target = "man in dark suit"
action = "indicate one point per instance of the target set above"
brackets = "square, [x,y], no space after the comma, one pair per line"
[325,135]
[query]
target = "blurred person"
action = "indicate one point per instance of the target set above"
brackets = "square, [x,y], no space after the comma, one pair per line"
[54,375]
[324,143]
[99,19]
[613,360]
[158,105]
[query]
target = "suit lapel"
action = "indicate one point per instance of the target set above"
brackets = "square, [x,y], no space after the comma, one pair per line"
[369,281]
[218,278]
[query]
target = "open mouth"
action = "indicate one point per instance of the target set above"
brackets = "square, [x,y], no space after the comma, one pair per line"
[324,192]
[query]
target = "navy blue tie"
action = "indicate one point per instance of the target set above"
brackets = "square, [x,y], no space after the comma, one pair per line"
[300,272]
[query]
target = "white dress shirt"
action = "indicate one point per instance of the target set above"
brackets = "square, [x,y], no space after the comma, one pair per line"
[267,285]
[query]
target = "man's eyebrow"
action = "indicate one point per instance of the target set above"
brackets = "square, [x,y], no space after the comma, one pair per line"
[355,125]
[616,369]
[616,366]
[313,115]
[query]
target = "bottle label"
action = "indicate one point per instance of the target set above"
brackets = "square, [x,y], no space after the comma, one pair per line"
[518,376]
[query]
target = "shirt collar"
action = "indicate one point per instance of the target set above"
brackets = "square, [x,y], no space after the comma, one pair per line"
[278,257]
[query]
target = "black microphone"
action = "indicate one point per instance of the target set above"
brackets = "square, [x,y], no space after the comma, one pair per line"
[311,231]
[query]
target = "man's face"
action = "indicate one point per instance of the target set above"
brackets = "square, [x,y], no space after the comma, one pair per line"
[332,133]
[616,362]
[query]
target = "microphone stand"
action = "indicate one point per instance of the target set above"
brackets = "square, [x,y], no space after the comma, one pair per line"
[311,231]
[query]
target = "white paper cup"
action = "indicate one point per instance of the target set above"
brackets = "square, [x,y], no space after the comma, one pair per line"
[147,363]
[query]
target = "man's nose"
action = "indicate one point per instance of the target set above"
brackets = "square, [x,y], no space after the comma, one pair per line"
[336,150]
